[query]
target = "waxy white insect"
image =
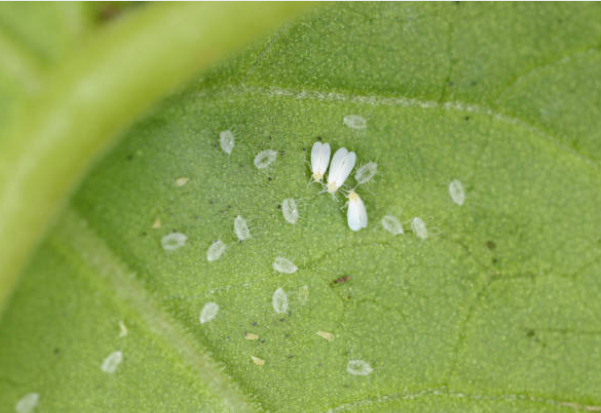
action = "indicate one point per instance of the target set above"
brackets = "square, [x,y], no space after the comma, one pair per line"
[216,250]
[366,172]
[110,364]
[208,312]
[265,158]
[342,164]
[320,159]
[359,368]
[356,214]
[457,192]
[418,226]
[392,225]
[284,265]
[27,403]
[226,141]
[173,241]
[241,228]
[290,210]
[355,121]
[279,301]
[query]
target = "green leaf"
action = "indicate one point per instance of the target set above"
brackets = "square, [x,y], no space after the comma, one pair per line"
[496,310]
[92,95]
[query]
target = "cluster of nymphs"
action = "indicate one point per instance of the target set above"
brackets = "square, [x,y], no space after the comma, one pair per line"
[341,166]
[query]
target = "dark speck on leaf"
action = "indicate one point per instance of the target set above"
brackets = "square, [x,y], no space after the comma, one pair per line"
[494,260]
[282,319]
[319,138]
[451,84]
[474,83]
[287,335]
[304,149]
[254,323]
[270,178]
[279,207]
[467,118]
[130,157]
[290,356]
[215,145]
[143,234]
[282,153]
[490,245]
[262,340]
[530,333]
[341,280]
[57,351]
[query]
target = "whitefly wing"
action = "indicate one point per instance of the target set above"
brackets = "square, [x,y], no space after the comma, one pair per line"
[342,164]
[356,213]
[320,158]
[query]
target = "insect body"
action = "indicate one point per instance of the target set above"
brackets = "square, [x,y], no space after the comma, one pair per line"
[366,172]
[320,158]
[356,214]
[342,164]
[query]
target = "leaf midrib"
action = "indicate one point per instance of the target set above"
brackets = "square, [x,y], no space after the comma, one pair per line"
[74,240]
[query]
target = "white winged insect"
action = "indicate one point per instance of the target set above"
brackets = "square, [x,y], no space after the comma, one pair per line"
[356,214]
[320,158]
[342,164]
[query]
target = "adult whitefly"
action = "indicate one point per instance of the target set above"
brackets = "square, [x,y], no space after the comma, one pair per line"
[279,301]
[173,241]
[342,164]
[366,172]
[418,226]
[208,312]
[320,158]
[355,121]
[241,228]
[284,265]
[216,250]
[265,158]
[111,362]
[290,210]
[226,141]
[359,368]
[356,214]
[457,192]
[27,403]
[392,225]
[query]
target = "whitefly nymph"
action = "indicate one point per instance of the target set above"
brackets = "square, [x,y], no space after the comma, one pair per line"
[356,214]
[342,164]
[320,159]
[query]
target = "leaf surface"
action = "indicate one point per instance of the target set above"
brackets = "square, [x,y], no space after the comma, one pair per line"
[496,310]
